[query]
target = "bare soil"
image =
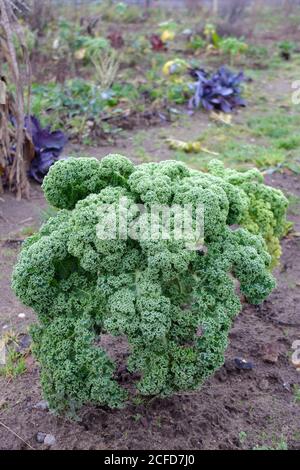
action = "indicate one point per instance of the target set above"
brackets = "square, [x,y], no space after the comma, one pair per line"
[235,409]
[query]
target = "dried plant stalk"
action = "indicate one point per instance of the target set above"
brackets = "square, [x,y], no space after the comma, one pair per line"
[107,65]
[12,158]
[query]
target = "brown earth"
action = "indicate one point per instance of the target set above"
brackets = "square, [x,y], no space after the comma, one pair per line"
[236,409]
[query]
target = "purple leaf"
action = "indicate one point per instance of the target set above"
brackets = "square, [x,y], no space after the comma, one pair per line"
[225,107]
[48,146]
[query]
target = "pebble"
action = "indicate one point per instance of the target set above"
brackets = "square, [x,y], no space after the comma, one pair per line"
[24,342]
[286,386]
[242,364]
[49,440]
[270,353]
[21,315]
[42,405]
[40,437]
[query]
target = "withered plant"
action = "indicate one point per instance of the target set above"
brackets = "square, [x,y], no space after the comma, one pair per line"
[16,149]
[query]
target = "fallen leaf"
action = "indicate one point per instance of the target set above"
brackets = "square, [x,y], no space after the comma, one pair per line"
[188,147]
[222,117]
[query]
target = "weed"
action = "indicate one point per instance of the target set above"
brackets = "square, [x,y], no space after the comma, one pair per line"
[28,230]
[276,125]
[137,417]
[48,213]
[280,444]
[137,400]
[289,143]
[296,392]
[15,365]
[242,437]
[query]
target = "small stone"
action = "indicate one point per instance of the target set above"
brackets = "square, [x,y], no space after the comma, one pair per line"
[42,405]
[49,440]
[40,437]
[295,359]
[21,315]
[242,364]
[24,342]
[270,353]
[286,386]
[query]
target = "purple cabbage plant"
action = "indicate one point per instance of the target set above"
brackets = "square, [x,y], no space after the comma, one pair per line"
[219,91]
[48,147]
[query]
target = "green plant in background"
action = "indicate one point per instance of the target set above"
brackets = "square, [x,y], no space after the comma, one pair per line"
[174,304]
[196,43]
[88,48]
[265,213]
[168,25]
[72,42]
[76,102]
[177,93]
[168,30]
[107,65]
[30,41]
[121,8]
[211,35]
[121,12]
[286,49]
[64,44]
[232,47]
[175,68]
[259,53]
[138,48]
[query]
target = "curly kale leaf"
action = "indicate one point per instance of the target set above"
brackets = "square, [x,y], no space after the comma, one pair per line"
[174,305]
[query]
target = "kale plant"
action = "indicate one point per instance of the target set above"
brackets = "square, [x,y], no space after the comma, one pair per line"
[174,305]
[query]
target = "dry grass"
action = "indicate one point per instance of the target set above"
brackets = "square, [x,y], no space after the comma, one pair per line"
[13,150]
